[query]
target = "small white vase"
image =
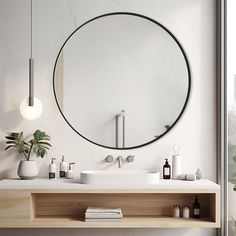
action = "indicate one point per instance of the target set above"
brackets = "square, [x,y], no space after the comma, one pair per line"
[27,169]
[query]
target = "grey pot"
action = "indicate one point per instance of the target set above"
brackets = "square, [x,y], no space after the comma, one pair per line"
[27,170]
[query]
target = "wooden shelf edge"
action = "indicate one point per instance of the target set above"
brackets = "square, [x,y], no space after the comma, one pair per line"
[127,222]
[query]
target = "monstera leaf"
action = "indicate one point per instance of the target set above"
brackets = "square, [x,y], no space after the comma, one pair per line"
[15,140]
[39,144]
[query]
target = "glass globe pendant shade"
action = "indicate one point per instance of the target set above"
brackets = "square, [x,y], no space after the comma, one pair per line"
[31,112]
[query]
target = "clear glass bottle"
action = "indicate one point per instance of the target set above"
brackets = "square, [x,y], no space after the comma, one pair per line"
[176,211]
[186,212]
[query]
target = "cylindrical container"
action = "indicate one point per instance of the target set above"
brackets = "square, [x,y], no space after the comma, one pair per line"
[52,169]
[186,212]
[176,166]
[63,168]
[198,174]
[176,211]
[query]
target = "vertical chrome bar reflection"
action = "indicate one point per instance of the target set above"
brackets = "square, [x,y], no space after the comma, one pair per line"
[117,135]
[120,130]
[123,126]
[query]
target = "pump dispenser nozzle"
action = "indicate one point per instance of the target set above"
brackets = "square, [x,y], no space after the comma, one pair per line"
[70,165]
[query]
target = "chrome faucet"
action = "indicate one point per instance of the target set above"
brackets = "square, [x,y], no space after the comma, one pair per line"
[119,159]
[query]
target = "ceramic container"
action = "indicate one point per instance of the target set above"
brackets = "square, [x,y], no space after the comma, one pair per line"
[27,169]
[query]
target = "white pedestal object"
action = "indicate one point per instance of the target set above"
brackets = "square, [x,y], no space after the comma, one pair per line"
[176,166]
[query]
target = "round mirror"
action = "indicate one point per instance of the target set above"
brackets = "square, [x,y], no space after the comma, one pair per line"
[121,80]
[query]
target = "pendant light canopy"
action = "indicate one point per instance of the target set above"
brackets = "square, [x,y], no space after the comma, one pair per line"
[31,108]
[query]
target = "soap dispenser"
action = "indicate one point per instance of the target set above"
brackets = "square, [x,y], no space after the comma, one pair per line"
[63,168]
[52,169]
[70,172]
[166,170]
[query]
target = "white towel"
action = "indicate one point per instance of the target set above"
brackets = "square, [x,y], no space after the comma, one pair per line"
[103,210]
[103,213]
[103,220]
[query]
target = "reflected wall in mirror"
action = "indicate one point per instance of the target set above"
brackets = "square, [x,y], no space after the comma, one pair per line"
[121,80]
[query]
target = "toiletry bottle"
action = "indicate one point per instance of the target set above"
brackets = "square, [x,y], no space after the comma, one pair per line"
[166,170]
[52,169]
[186,212]
[176,211]
[196,208]
[63,168]
[198,174]
[70,172]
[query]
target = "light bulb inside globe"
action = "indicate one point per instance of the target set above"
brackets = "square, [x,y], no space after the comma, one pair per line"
[31,112]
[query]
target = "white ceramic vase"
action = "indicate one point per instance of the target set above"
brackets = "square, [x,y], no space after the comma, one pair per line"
[27,169]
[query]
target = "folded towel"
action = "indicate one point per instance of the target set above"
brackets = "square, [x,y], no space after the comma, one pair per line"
[103,210]
[103,215]
[103,220]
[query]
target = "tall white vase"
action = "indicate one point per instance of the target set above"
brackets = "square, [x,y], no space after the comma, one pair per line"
[176,166]
[27,169]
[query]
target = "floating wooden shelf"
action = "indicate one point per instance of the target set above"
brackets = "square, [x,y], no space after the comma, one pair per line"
[55,206]
[127,222]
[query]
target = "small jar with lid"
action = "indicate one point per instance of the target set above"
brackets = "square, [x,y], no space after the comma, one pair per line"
[186,212]
[176,211]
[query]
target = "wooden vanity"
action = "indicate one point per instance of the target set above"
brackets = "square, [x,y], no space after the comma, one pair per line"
[44,203]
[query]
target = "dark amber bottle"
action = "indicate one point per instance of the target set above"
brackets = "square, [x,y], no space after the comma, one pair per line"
[196,208]
[166,170]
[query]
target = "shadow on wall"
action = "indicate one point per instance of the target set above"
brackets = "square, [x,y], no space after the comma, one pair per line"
[6,159]
[10,120]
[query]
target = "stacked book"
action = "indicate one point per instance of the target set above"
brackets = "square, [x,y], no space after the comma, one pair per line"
[96,214]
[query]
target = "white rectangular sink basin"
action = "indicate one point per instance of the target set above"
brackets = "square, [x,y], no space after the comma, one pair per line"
[119,177]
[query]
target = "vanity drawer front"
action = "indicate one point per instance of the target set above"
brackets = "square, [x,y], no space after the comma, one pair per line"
[14,209]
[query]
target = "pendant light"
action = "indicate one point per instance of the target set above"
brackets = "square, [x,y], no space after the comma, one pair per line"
[31,108]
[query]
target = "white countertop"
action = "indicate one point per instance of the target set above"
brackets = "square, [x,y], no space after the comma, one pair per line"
[44,183]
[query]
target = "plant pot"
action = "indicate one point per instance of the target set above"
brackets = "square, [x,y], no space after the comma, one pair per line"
[27,170]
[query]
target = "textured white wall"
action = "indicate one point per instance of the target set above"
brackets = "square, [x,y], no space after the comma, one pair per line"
[193,23]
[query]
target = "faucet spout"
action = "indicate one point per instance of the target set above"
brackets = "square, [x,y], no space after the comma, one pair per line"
[119,159]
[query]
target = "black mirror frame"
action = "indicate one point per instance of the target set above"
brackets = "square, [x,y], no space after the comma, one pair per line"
[187,64]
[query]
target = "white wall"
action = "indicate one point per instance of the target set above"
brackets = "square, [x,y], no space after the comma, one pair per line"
[192,21]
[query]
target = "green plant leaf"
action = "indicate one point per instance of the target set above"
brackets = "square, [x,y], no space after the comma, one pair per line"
[44,143]
[15,140]
[40,144]
[11,142]
[10,146]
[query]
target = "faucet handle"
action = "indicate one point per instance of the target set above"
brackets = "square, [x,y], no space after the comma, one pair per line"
[109,158]
[130,158]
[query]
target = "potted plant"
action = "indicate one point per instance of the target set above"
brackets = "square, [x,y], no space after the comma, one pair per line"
[38,145]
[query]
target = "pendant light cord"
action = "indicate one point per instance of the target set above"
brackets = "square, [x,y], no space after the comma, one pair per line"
[31,60]
[31,28]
